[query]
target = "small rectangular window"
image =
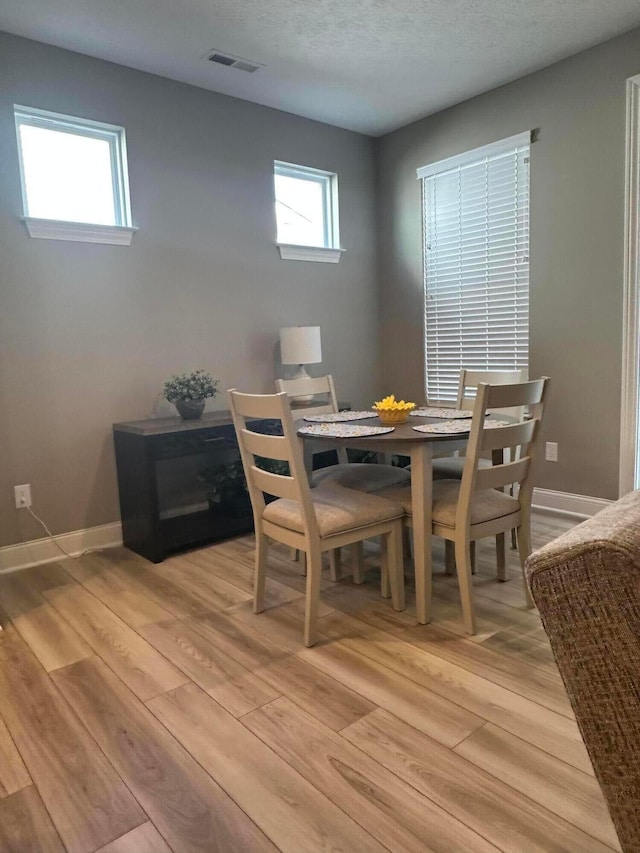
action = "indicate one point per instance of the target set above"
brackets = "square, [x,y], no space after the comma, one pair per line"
[306,203]
[73,171]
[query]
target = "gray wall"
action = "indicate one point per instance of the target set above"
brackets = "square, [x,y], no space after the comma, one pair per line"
[577,214]
[88,333]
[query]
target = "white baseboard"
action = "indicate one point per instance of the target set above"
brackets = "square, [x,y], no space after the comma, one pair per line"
[564,503]
[38,551]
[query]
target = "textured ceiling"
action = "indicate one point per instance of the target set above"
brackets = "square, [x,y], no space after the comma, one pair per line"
[369,66]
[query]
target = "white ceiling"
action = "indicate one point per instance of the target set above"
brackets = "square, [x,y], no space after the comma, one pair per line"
[370,65]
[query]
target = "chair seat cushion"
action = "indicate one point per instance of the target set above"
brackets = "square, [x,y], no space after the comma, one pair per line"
[486,505]
[362,476]
[337,510]
[451,467]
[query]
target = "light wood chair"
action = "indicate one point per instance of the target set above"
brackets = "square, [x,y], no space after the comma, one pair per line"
[475,506]
[451,467]
[363,477]
[312,520]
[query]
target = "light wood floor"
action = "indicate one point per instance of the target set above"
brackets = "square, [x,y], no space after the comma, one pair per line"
[145,709]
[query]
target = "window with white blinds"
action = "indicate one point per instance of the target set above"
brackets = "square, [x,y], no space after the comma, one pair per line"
[476,263]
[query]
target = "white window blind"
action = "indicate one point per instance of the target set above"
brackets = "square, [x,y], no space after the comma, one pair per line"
[476,264]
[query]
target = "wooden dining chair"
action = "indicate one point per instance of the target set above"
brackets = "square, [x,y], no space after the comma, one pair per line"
[363,477]
[476,506]
[312,520]
[451,467]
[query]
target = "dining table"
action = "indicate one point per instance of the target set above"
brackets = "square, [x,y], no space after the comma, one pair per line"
[421,448]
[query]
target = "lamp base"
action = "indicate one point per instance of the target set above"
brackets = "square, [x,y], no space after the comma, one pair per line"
[301,373]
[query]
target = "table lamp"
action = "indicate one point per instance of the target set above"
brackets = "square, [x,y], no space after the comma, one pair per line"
[300,345]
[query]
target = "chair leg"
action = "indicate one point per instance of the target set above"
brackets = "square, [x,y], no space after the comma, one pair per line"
[514,539]
[385,587]
[335,565]
[463,565]
[314,573]
[303,563]
[357,561]
[392,544]
[501,557]
[406,542]
[449,557]
[260,575]
[524,549]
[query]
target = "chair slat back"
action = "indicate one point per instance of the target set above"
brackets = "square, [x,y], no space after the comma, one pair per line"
[522,436]
[316,385]
[470,379]
[502,475]
[279,485]
[518,394]
[271,446]
[255,406]
[499,438]
[246,408]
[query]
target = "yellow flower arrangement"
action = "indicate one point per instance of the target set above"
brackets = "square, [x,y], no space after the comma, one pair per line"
[392,411]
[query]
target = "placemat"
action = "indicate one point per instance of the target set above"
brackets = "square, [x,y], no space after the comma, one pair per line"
[446,427]
[459,426]
[442,413]
[342,430]
[340,417]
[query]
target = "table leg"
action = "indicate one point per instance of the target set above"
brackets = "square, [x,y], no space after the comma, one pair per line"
[307,455]
[421,498]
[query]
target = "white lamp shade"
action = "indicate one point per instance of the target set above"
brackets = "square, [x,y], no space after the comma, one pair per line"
[300,345]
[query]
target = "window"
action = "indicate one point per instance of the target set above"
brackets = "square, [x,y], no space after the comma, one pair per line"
[476,263]
[306,202]
[74,177]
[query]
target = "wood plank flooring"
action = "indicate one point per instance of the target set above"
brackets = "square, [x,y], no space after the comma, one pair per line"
[146,709]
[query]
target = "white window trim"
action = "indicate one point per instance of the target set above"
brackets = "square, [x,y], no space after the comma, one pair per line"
[461,160]
[80,232]
[331,252]
[294,252]
[119,234]
[629,474]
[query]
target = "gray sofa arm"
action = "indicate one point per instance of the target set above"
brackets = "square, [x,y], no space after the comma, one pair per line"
[586,585]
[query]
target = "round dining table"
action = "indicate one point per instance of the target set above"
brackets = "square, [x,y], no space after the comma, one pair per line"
[421,448]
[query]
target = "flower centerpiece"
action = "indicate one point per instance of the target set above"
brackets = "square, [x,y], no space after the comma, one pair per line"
[188,392]
[392,411]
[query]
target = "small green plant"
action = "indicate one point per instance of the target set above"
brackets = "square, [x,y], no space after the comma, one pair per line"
[197,385]
[225,482]
[227,488]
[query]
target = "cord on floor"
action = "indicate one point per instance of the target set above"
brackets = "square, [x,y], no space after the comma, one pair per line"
[57,544]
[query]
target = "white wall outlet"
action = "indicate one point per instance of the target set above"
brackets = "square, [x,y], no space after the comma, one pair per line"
[23,496]
[551,451]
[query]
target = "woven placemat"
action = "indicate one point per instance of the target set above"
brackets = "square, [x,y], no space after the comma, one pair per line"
[342,430]
[339,417]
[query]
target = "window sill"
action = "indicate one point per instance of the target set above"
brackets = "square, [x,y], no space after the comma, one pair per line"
[289,252]
[83,232]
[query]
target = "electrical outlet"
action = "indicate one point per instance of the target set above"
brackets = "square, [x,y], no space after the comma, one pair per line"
[551,451]
[23,496]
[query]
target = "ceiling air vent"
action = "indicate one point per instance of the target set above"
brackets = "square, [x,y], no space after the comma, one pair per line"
[234,62]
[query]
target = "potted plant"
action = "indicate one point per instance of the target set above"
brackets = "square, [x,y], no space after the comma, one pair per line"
[227,488]
[188,392]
